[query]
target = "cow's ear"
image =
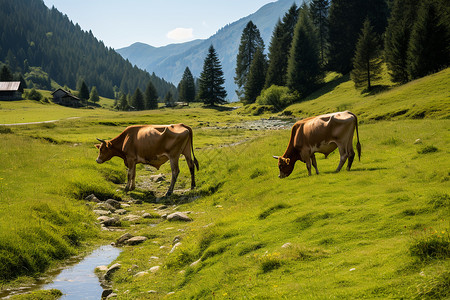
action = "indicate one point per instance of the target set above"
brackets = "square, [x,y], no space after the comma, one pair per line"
[287,160]
[97,146]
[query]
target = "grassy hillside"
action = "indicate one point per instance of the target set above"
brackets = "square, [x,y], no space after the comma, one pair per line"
[378,231]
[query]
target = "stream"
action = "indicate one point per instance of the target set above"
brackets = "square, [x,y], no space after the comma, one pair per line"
[76,281]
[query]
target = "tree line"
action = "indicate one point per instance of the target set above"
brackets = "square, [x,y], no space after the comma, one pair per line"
[346,36]
[43,45]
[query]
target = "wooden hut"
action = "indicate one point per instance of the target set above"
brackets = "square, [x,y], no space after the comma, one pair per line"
[10,90]
[65,98]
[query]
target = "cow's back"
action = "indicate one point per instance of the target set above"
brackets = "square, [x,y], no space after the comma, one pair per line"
[150,141]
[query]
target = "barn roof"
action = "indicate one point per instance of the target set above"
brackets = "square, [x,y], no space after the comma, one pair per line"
[9,86]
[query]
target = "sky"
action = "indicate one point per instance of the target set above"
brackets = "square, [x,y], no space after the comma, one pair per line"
[158,23]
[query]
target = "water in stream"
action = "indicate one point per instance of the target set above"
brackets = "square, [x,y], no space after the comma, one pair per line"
[78,281]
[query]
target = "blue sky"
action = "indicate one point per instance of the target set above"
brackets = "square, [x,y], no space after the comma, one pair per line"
[120,23]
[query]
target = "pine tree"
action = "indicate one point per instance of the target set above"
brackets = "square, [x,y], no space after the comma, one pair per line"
[187,87]
[304,72]
[346,18]
[211,90]
[250,41]
[279,48]
[319,14]
[150,97]
[83,91]
[428,50]
[397,37]
[6,74]
[168,99]
[94,95]
[367,62]
[137,101]
[256,77]
[123,102]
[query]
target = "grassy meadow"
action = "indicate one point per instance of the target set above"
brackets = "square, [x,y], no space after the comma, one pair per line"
[378,231]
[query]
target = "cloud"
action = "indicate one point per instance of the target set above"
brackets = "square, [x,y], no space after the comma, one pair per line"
[180,34]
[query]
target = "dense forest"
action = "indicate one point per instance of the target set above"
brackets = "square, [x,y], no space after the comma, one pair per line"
[411,37]
[42,43]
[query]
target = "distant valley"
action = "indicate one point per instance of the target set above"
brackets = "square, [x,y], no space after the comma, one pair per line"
[170,61]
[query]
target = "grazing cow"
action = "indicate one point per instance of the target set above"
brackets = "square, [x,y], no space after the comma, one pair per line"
[321,134]
[153,145]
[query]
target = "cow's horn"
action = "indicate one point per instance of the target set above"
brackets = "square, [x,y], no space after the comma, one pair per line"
[101,141]
[276,157]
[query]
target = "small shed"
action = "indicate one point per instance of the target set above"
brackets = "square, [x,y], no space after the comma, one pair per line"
[10,90]
[65,98]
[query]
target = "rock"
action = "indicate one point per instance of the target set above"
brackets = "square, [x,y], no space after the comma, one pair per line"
[121,211]
[112,295]
[162,207]
[136,240]
[158,178]
[175,247]
[131,218]
[106,293]
[178,217]
[176,239]
[141,274]
[112,270]
[155,269]
[418,141]
[124,238]
[101,212]
[113,203]
[101,269]
[196,262]
[105,206]
[149,216]
[92,198]
[102,219]
[115,221]
[287,245]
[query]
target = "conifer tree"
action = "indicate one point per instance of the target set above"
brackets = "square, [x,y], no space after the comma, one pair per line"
[367,62]
[137,101]
[250,41]
[123,102]
[256,77]
[150,97]
[428,49]
[346,18]
[83,91]
[319,14]
[5,74]
[397,37]
[304,72]
[279,48]
[211,90]
[187,87]
[94,95]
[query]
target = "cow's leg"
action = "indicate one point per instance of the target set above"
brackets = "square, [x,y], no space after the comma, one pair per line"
[308,165]
[131,176]
[351,157]
[175,171]
[190,163]
[343,153]
[314,163]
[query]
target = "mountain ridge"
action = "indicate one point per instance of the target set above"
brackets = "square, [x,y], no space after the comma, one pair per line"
[226,40]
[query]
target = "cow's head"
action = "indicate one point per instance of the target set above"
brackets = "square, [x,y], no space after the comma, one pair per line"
[106,153]
[285,166]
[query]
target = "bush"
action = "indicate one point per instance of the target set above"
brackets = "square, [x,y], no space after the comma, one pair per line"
[278,96]
[432,244]
[34,95]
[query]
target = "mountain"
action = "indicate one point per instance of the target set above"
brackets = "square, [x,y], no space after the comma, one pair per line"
[34,37]
[169,62]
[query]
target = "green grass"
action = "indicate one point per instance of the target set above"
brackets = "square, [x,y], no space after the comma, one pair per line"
[378,231]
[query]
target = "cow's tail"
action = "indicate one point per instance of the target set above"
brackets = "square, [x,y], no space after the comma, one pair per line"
[191,135]
[358,144]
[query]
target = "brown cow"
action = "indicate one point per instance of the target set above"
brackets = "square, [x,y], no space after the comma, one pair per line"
[153,145]
[321,134]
